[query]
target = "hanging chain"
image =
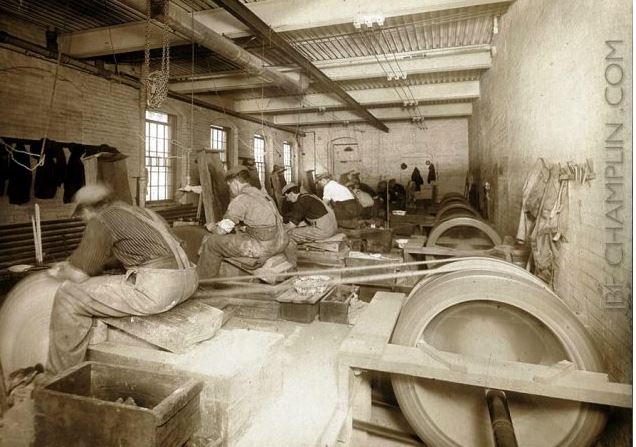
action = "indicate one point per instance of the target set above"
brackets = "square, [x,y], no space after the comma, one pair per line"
[157,81]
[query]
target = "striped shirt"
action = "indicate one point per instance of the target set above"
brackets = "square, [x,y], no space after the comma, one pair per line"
[117,233]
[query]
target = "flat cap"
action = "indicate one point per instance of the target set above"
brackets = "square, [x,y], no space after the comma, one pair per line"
[234,171]
[288,186]
[91,195]
[322,175]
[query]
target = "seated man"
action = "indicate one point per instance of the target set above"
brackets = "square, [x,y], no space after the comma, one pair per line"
[158,273]
[341,199]
[397,194]
[309,208]
[366,201]
[264,234]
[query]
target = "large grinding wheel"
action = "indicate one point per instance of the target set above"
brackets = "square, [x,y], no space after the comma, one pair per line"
[24,322]
[462,233]
[453,197]
[455,209]
[494,315]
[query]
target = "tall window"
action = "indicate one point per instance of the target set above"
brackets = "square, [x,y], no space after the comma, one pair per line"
[218,142]
[159,161]
[259,156]
[288,160]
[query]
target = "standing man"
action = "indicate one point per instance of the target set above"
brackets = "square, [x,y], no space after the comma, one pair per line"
[158,273]
[309,208]
[263,236]
[341,199]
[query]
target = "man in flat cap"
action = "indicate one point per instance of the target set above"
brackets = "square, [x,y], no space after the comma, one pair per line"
[341,199]
[320,219]
[158,273]
[263,235]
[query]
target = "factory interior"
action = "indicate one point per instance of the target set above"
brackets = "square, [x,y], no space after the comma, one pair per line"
[289,223]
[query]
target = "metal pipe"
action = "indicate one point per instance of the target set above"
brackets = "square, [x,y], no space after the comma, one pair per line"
[29,47]
[502,428]
[182,22]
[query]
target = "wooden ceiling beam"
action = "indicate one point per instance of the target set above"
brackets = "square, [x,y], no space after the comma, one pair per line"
[260,28]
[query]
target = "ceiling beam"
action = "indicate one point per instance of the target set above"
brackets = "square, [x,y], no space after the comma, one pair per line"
[7,39]
[352,70]
[115,39]
[369,97]
[280,15]
[386,114]
[241,12]
[180,21]
[229,82]
[293,15]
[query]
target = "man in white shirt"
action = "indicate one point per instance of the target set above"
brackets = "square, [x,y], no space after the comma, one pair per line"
[341,199]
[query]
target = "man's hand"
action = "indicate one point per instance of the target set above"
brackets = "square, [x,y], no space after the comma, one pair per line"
[222,227]
[65,270]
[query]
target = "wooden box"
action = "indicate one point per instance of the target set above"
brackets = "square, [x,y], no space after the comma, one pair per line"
[358,259]
[334,307]
[300,308]
[79,408]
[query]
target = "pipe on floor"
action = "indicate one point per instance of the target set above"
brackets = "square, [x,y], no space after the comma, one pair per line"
[502,428]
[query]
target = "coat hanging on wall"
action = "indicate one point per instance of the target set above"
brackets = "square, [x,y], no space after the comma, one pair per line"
[19,189]
[51,174]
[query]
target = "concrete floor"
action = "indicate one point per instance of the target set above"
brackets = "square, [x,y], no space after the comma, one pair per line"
[297,417]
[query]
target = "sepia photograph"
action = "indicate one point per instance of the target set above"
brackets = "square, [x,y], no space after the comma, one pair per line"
[316,223]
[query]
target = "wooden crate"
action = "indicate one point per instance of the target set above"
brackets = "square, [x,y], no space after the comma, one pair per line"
[79,408]
[334,307]
[300,308]
[358,259]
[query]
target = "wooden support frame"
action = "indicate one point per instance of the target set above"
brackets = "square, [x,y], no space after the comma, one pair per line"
[368,348]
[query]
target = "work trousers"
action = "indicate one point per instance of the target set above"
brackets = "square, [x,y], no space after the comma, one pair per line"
[141,291]
[216,247]
[322,228]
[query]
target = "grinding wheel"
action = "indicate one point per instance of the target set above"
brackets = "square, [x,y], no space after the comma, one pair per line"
[462,233]
[24,322]
[455,209]
[453,197]
[497,315]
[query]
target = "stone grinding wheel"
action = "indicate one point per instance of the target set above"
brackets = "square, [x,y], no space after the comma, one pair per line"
[450,233]
[453,197]
[455,209]
[24,322]
[494,314]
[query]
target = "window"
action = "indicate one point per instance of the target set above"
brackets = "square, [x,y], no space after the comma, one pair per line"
[288,161]
[259,156]
[218,142]
[159,160]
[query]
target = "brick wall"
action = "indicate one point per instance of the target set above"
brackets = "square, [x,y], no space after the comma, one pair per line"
[91,110]
[444,141]
[544,97]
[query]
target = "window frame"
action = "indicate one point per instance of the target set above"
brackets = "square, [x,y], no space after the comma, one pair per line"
[259,156]
[163,159]
[288,161]
[223,152]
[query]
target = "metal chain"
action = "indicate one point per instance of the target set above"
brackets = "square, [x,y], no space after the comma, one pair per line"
[157,81]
